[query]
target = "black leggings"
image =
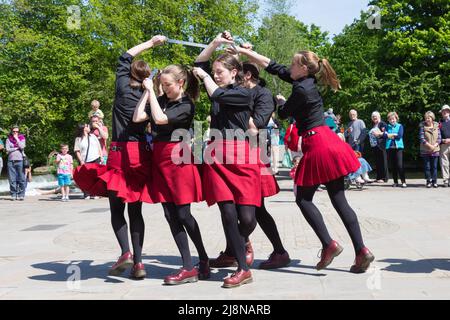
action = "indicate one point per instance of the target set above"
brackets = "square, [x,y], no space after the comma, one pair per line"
[239,222]
[269,228]
[181,221]
[119,224]
[313,216]
[395,158]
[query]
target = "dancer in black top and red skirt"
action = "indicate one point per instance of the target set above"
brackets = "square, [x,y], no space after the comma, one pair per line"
[229,178]
[176,182]
[263,107]
[326,160]
[128,172]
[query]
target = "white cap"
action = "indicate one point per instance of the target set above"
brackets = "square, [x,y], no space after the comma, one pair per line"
[445,107]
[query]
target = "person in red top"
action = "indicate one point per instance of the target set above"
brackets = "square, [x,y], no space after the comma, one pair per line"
[292,140]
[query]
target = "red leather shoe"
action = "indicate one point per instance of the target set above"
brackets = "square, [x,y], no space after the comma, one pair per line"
[204,271]
[249,254]
[124,262]
[276,260]
[362,261]
[223,261]
[138,271]
[182,276]
[238,278]
[328,254]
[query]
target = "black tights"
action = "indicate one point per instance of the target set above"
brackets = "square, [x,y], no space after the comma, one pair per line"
[119,224]
[238,222]
[181,221]
[269,228]
[312,215]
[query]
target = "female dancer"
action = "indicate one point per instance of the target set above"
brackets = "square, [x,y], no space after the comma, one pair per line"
[128,167]
[234,184]
[263,106]
[175,185]
[327,160]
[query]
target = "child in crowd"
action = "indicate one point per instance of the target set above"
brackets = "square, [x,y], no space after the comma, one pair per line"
[95,105]
[65,167]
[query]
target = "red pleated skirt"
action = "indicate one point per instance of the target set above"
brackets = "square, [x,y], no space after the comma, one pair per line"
[129,171]
[231,172]
[87,179]
[325,158]
[269,185]
[175,176]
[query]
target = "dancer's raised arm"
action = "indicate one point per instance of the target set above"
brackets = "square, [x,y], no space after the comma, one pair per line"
[153,42]
[221,38]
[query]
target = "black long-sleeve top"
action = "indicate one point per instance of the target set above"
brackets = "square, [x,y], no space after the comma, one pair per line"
[126,100]
[263,106]
[305,103]
[231,107]
[179,114]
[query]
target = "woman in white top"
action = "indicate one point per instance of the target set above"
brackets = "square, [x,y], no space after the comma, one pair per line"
[87,147]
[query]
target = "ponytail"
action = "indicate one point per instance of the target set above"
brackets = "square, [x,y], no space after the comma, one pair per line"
[320,68]
[192,85]
[327,76]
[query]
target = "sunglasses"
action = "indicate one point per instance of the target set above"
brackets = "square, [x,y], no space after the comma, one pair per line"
[15,131]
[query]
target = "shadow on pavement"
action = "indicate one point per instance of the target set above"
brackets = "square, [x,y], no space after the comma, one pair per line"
[419,266]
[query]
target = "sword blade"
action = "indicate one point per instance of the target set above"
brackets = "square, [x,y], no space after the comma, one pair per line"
[187,43]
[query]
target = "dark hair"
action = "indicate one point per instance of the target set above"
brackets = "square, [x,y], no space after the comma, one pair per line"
[230,62]
[139,71]
[80,130]
[179,72]
[62,145]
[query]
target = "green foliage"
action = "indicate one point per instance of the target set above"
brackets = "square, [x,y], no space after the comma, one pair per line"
[402,67]
[49,72]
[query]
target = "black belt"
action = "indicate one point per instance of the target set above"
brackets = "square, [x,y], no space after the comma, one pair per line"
[15,160]
[309,134]
[117,148]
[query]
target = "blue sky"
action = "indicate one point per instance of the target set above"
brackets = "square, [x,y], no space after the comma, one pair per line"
[329,15]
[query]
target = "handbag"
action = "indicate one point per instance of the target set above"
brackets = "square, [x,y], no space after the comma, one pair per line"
[287,161]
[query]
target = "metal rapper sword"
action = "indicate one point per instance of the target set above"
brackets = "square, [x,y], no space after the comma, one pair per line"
[187,43]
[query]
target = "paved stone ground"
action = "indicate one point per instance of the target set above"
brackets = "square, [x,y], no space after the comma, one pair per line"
[45,243]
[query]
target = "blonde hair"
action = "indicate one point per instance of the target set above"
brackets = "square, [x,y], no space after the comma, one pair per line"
[320,68]
[95,103]
[429,114]
[179,72]
[393,114]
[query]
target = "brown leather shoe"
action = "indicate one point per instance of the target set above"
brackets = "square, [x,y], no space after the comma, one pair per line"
[223,261]
[276,260]
[328,254]
[138,271]
[362,261]
[249,254]
[204,271]
[124,262]
[238,278]
[182,276]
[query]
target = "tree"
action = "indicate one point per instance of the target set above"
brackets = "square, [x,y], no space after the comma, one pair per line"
[50,71]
